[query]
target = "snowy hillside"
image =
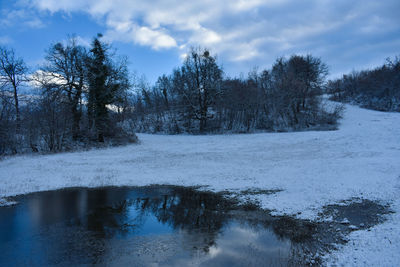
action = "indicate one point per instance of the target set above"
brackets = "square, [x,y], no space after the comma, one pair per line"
[361,159]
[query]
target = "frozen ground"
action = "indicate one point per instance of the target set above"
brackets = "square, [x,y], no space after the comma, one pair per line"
[313,169]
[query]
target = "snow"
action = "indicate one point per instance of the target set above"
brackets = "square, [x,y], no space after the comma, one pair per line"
[5,202]
[313,169]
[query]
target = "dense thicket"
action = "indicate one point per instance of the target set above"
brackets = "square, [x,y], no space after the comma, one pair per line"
[377,89]
[76,99]
[196,98]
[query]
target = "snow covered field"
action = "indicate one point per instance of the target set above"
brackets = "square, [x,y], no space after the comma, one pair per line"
[361,159]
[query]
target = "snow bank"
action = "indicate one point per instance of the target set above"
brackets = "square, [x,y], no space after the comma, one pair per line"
[5,202]
[313,169]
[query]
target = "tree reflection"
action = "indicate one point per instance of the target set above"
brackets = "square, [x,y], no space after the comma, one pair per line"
[186,208]
[200,214]
[96,224]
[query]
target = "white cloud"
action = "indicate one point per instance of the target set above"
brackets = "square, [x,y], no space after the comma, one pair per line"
[172,24]
[153,38]
[246,4]
[241,31]
[203,36]
[60,5]
[128,31]
[183,56]
[26,17]
[34,23]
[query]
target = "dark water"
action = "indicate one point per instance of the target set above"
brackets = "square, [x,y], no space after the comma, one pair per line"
[149,226]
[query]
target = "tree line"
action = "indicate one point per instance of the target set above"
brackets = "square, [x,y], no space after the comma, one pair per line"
[83,97]
[197,98]
[74,99]
[377,89]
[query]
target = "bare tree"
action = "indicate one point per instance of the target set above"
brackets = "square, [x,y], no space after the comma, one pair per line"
[65,68]
[196,98]
[376,89]
[297,84]
[12,74]
[201,78]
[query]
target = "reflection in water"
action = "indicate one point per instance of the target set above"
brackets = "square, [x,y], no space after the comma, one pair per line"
[161,225]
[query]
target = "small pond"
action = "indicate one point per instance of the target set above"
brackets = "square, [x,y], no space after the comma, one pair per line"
[153,226]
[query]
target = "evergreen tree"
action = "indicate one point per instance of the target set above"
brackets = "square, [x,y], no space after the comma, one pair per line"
[108,81]
[99,94]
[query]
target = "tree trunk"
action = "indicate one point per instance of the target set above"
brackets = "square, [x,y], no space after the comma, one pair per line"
[75,125]
[18,119]
[76,115]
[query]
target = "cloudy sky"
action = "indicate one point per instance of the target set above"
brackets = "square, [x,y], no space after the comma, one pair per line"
[156,34]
